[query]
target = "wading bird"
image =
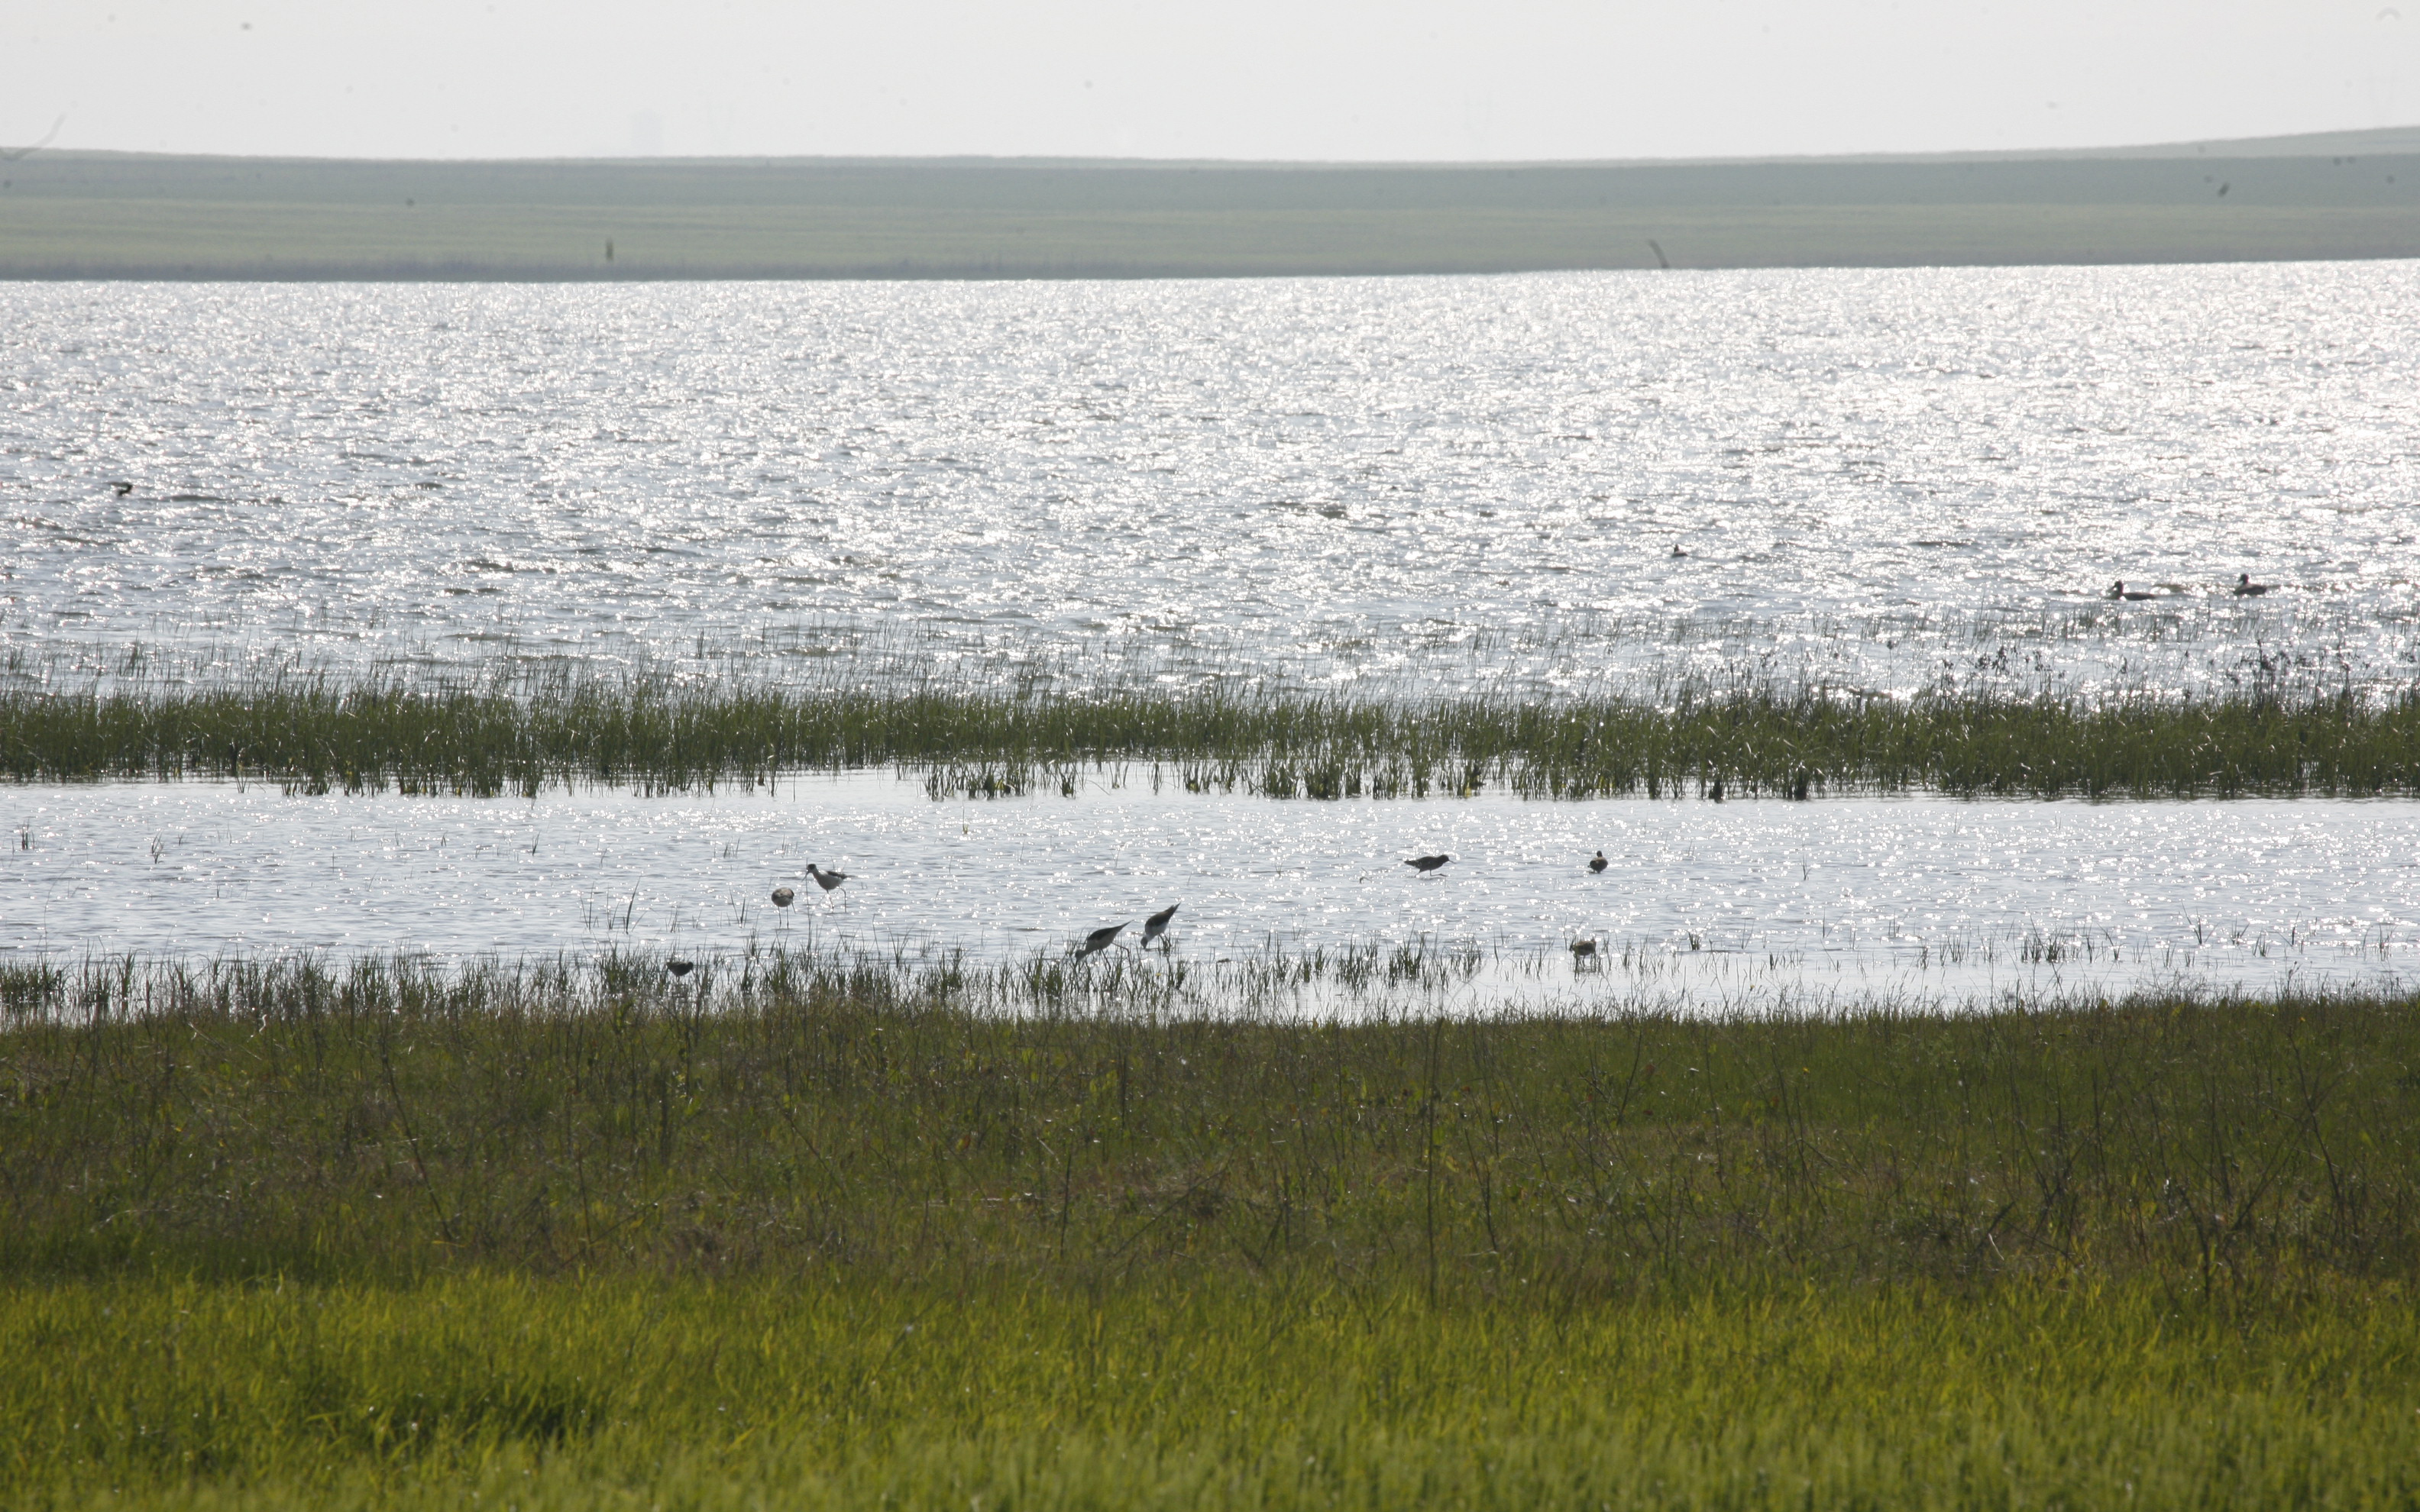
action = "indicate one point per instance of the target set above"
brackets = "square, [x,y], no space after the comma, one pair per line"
[1427,863]
[784,897]
[1583,952]
[679,967]
[2246,588]
[826,880]
[1101,939]
[1157,925]
[1597,863]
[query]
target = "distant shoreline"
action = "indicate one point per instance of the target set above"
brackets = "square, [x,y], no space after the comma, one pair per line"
[129,216]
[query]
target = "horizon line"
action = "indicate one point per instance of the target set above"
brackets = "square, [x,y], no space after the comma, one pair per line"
[2275,145]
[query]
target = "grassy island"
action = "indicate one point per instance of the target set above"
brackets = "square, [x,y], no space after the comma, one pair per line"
[318,733]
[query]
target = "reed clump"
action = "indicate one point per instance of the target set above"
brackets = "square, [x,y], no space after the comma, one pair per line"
[388,1233]
[316,734]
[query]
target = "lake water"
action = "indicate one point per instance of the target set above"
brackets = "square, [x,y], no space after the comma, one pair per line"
[1886,481]
[1924,897]
[1879,479]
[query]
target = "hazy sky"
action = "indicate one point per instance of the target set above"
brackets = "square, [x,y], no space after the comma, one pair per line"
[1262,79]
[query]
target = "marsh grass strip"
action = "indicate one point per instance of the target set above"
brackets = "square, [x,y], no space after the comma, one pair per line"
[317,734]
[393,1118]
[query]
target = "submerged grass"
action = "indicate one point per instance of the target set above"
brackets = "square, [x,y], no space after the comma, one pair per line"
[317,734]
[399,1234]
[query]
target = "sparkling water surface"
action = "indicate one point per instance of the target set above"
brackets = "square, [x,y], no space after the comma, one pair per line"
[1927,897]
[1876,479]
[1886,481]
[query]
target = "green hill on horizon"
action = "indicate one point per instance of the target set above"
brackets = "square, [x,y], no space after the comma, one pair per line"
[105,215]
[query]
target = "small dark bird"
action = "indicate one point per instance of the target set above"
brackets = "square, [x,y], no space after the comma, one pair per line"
[2246,588]
[1597,863]
[1157,925]
[1583,951]
[1427,863]
[679,967]
[123,487]
[784,897]
[826,880]
[2120,590]
[1101,939]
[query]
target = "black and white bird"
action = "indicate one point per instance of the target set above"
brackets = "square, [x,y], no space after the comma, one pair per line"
[1101,939]
[1157,925]
[784,897]
[1427,863]
[1597,863]
[2246,588]
[826,880]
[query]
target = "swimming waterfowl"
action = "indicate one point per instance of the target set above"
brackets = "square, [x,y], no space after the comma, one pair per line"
[1597,863]
[1427,863]
[2120,590]
[2246,588]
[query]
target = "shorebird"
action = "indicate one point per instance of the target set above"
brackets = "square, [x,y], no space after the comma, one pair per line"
[679,967]
[1101,939]
[1427,863]
[1157,925]
[784,897]
[2246,588]
[1583,952]
[2120,590]
[1597,863]
[826,880]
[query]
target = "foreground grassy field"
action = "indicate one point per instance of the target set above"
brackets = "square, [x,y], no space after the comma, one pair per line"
[829,1232]
[317,734]
[617,1392]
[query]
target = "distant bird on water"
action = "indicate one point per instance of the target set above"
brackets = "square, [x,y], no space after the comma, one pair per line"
[826,880]
[784,897]
[123,487]
[2246,588]
[679,967]
[1597,863]
[1427,863]
[2120,590]
[1101,939]
[1157,925]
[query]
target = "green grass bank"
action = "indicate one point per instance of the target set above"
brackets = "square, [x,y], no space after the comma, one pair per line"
[833,1233]
[317,734]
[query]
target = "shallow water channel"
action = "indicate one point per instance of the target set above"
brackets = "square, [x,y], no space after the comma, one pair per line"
[1918,899]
